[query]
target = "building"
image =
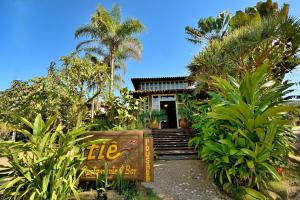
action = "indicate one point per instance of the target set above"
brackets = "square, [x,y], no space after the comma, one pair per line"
[161,94]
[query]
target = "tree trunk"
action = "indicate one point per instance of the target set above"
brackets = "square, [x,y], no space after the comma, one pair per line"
[80,105]
[13,136]
[79,118]
[93,107]
[112,74]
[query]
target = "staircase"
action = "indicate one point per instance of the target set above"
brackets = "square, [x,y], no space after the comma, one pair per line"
[172,144]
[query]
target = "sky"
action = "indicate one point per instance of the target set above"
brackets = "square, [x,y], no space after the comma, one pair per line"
[36,32]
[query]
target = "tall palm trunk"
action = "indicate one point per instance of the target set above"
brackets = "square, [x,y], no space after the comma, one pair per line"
[93,106]
[80,105]
[112,74]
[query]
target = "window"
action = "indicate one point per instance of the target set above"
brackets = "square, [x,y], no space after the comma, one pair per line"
[155,103]
[142,86]
[163,85]
[167,98]
[185,84]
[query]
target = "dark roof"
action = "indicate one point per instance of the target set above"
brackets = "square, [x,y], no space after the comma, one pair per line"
[171,91]
[136,81]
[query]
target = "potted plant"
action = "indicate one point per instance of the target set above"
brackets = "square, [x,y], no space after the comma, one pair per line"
[155,117]
[185,115]
[186,109]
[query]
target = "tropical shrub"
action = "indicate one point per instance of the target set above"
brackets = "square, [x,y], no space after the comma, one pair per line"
[262,32]
[66,92]
[122,111]
[143,118]
[157,115]
[187,106]
[45,166]
[244,136]
[5,131]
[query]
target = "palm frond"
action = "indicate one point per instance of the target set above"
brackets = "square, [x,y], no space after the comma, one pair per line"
[116,13]
[86,43]
[103,21]
[87,31]
[132,48]
[129,27]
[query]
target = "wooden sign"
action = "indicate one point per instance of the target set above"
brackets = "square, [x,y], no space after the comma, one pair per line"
[129,153]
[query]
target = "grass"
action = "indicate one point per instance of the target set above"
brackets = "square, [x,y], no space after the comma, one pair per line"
[147,194]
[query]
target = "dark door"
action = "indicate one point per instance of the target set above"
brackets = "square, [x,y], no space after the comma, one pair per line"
[170,109]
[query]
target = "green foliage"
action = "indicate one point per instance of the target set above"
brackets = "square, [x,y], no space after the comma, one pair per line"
[45,95]
[245,136]
[5,131]
[157,115]
[77,90]
[65,92]
[112,39]
[260,33]
[143,118]
[255,15]
[86,82]
[209,29]
[102,182]
[122,111]
[187,106]
[127,189]
[46,166]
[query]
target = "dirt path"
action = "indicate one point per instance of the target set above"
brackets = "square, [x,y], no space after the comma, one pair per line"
[183,180]
[297,133]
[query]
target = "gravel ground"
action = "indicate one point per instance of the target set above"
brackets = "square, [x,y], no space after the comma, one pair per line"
[297,132]
[183,180]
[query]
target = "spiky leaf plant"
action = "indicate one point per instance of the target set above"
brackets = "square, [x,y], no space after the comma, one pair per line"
[46,165]
[245,135]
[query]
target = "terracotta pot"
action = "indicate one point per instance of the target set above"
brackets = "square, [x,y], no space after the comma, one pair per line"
[183,123]
[154,124]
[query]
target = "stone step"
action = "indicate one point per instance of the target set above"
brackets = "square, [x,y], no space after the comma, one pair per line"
[170,136]
[171,143]
[170,139]
[177,157]
[174,144]
[170,133]
[168,130]
[176,152]
[174,137]
[167,141]
[173,148]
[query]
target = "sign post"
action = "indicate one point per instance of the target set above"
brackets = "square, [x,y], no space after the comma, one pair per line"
[129,153]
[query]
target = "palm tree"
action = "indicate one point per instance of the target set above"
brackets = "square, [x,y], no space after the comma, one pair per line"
[209,29]
[111,39]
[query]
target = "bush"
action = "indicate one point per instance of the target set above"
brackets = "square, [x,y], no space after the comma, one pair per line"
[121,113]
[46,165]
[5,131]
[244,136]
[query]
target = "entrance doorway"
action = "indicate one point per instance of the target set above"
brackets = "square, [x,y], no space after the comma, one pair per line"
[169,107]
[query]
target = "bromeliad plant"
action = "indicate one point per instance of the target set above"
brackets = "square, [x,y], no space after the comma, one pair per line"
[245,136]
[45,166]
